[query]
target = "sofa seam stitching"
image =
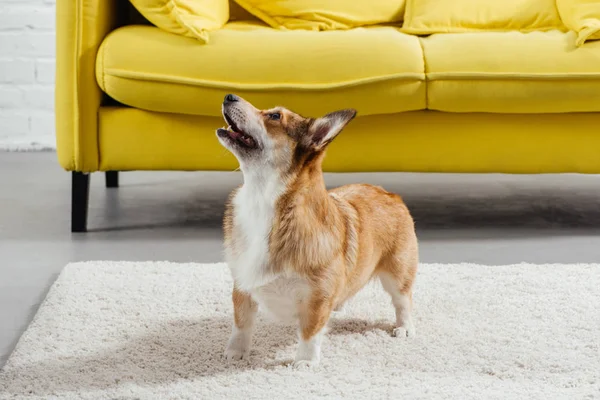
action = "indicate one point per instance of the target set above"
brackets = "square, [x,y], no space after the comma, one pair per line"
[124,74]
[425,72]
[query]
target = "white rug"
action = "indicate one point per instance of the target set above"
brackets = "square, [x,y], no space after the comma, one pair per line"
[116,330]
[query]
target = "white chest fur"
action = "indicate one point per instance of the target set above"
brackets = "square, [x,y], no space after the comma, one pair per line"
[253,213]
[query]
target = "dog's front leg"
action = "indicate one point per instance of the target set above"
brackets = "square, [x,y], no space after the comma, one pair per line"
[244,310]
[314,315]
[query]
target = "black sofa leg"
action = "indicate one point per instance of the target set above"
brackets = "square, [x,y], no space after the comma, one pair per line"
[80,193]
[112,179]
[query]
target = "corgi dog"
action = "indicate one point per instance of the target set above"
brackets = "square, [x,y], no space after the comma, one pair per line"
[295,249]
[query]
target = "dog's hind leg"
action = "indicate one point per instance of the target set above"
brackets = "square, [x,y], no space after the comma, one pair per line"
[397,276]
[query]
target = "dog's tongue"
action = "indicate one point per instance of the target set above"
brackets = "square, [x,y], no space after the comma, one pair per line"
[240,137]
[234,134]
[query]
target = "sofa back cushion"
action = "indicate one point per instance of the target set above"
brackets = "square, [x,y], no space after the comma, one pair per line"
[325,15]
[424,17]
[192,18]
[581,16]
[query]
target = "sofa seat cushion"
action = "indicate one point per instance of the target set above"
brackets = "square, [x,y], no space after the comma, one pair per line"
[512,72]
[376,70]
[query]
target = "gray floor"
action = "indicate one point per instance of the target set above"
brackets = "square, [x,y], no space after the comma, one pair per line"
[486,219]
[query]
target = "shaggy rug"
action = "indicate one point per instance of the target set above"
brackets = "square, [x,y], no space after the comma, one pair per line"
[118,330]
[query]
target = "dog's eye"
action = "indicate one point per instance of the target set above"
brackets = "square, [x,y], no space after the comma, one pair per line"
[275,116]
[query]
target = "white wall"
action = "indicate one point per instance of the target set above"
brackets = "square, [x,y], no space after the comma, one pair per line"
[27,50]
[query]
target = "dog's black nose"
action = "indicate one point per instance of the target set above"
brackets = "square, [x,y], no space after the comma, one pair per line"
[230,98]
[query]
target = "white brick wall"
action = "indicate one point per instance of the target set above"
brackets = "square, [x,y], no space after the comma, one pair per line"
[27,51]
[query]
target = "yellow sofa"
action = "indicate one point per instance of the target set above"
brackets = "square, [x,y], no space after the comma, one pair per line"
[132,97]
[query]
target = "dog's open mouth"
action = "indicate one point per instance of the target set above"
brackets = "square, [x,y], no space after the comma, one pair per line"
[234,133]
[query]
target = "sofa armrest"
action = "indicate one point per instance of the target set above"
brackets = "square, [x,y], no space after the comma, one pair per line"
[81,27]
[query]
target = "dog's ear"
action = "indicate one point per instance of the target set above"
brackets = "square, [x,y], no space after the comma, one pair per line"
[323,130]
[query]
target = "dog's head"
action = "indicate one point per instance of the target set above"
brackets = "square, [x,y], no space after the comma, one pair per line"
[277,137]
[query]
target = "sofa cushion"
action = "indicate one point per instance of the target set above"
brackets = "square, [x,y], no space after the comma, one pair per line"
[376,70]
[192,18]
[322,15]
[424,17]
[512,72]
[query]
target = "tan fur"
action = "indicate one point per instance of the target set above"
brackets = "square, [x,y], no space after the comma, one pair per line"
[336,240]
[243,306]
[367,231]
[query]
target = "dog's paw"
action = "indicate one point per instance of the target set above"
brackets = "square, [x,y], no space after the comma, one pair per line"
[308,354]
[306,359]
[238,346]
[408,330]
[305,364]
[233,354]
